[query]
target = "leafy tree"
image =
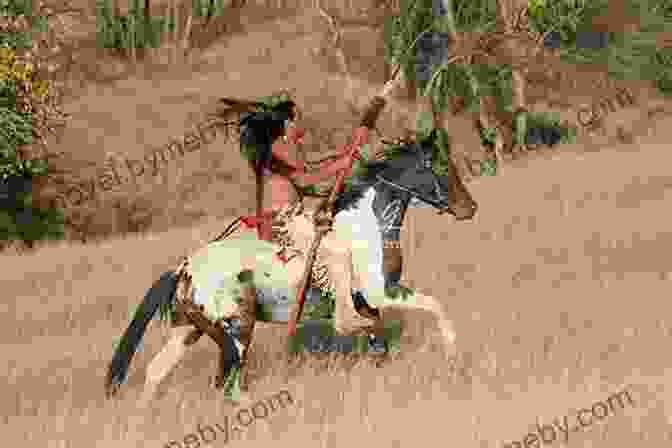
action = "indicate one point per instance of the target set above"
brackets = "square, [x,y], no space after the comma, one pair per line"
[137,29]
[479,51]
[28,111]
[436,29]
[633,55]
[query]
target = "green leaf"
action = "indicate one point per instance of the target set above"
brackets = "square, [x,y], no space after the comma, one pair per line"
[424,124]
[488,168]
[7,225]
[488,136]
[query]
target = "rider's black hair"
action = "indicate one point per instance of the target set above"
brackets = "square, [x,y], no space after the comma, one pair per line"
[258,131]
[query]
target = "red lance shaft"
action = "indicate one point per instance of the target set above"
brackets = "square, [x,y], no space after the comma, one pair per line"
[353,153]
[370,116]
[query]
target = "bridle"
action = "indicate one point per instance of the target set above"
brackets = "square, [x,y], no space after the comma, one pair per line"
[415,194]
[426,163]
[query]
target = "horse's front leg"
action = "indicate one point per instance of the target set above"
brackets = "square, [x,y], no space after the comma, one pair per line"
[393,268]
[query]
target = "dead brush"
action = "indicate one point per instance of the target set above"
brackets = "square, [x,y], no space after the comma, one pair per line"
[97,220]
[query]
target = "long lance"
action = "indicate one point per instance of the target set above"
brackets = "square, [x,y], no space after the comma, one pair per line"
[371,114]
[312,254]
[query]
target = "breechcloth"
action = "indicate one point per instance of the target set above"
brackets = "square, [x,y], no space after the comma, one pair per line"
[365,316]
[288,247]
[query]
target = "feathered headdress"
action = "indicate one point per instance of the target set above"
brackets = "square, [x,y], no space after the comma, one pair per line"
[260,123]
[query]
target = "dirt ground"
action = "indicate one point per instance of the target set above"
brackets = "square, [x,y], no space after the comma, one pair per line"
[544,285]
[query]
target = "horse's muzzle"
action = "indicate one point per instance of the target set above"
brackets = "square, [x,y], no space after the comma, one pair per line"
[461,212]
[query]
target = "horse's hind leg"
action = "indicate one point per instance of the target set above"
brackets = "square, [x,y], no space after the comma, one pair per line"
[171,354]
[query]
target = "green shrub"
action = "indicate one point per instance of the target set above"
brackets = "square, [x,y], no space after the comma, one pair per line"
[633,55]
[28,111]
[199,8]
[488,136]
[551,120]
[488,167]
[19,10]
[130,30]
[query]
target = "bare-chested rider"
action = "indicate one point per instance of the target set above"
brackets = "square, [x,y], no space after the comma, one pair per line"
[290,226]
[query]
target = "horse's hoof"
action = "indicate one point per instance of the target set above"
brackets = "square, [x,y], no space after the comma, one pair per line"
[377,344]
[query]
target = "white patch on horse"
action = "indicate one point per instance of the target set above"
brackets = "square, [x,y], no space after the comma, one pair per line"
[361,225]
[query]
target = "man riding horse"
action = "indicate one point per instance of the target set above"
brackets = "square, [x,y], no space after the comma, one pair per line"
[282,219]
[288,224]
[267,133]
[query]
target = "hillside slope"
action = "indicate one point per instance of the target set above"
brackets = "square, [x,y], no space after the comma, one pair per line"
[558,288]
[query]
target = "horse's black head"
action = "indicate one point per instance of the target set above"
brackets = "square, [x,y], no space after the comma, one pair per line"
[412,170]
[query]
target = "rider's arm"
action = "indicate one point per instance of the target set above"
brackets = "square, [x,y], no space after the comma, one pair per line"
[281,152]
[360,136]
[324,172]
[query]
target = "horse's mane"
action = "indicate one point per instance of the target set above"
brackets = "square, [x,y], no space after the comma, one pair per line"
[348,198]
[366,174]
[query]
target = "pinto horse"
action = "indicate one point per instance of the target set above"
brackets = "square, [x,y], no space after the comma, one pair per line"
[371,211]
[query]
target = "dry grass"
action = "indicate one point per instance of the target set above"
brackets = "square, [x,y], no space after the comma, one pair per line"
[557,293]
[558,288]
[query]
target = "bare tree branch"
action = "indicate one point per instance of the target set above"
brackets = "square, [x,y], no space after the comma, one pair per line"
[337,43]
[187,34]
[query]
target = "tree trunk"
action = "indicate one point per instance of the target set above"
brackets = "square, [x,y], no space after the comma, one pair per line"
[164,33]
[507,12]
[447,24]
[408,83]
[411,88]
[176,31]
[185,37]
[147,26]
[520,110]
[133,27]
[211,11]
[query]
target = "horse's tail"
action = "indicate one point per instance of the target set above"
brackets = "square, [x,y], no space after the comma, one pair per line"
[161,293]
[428,303]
